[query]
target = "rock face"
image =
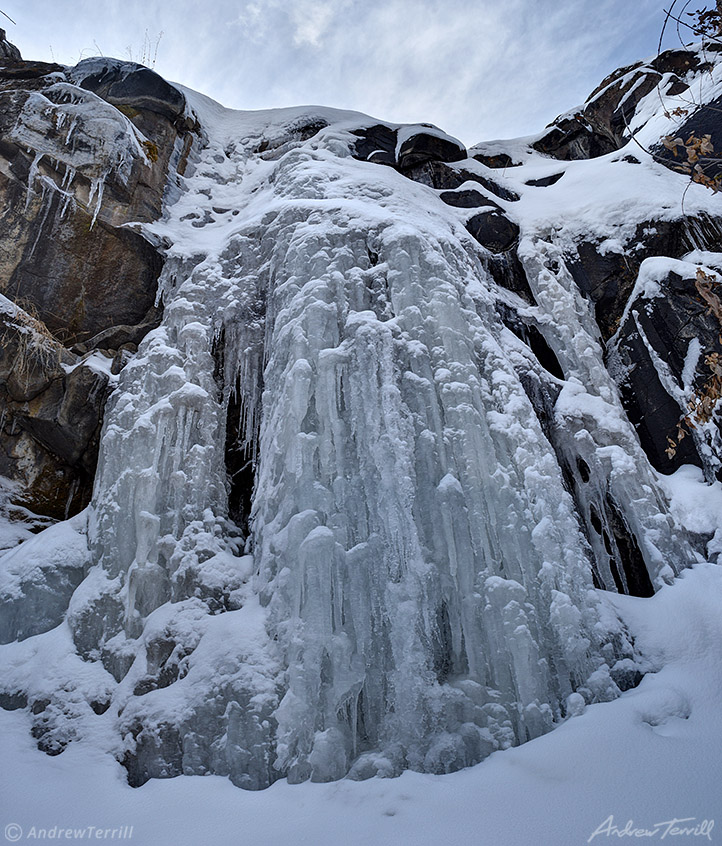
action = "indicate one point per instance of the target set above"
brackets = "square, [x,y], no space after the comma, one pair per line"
[608,277]
[83,152]
[605,122]
[678,321]
[401,409]
[8,51]
[52,404]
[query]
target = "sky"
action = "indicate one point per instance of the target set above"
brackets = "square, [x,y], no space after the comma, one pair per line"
[479,69]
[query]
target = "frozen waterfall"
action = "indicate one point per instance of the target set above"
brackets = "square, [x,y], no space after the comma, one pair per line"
[396,576]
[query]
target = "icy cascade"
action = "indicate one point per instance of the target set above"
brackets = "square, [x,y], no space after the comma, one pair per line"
[611,478]
[424,585]
[411,526]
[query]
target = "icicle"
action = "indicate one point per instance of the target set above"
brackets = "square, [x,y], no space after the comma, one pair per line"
[32,176]
[96,190]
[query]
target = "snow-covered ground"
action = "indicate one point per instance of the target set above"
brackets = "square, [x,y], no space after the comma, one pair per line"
[651,756]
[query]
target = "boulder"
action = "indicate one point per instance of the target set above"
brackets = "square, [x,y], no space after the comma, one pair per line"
[468,199]
[493,230]
[574,137]
[445,177]
[376,144]
[600,126]
[51,406]
[704,120]
[496,160]
[27,70]
[545,181]
[420,147]
[130,85]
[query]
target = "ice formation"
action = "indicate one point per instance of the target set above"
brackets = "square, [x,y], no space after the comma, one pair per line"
[400,572]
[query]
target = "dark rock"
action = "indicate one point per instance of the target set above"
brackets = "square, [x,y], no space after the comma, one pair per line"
[60,410]
[677,87]
[625,674]
[117,663]
[427,147]
[145,686]
[117,337]
[627,552]
[80,282]
[90,624]
[87,283]
[677,62]
[575,138]
[130,85]
[494,231]
[468,199]
[499,160]
[527,331]
[28,70]
[442,176]
[616,559]
[608,279]
[376,144]
[41,403]
[158,754]
[630,159]
[541,390]
[669,323]
[507,271]
[704,120]
[601,125]
[13,701]
[8,52]
[306,128]
[545,181]
[68,430]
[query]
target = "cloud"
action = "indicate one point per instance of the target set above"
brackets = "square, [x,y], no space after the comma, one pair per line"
[312,21]
[477,68]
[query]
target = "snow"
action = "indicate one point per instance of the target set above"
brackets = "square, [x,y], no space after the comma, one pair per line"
[97,362]
[650,756]
[59,547]
[694,351]
[17,523]
[696,505]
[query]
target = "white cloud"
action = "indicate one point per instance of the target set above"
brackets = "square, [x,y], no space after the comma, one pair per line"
[311,21]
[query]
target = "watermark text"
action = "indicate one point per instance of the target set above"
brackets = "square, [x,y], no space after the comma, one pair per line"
[15,833]
[676,827]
